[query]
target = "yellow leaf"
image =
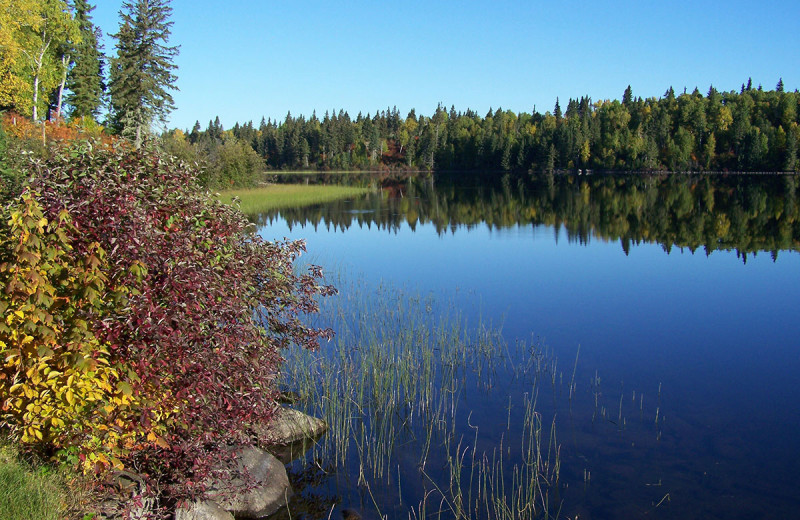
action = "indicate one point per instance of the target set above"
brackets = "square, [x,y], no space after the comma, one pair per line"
[125,388]
[70,397]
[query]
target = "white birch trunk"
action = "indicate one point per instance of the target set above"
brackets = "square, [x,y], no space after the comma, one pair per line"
[38,61]
[64,64]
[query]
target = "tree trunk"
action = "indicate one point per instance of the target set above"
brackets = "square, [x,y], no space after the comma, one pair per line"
[64,63]
[36,95]
[38,62]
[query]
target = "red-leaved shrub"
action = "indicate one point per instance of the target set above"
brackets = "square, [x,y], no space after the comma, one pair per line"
[213,303]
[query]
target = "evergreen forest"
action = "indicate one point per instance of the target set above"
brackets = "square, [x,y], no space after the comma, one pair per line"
[751,130]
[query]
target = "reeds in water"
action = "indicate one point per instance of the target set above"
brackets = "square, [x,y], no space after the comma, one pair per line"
[398,388]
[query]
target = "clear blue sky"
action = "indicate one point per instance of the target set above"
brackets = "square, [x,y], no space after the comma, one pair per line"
[244,60]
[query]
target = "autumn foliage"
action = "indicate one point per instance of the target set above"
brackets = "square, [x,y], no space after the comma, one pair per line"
[154,302]
[60,384]
[23,128]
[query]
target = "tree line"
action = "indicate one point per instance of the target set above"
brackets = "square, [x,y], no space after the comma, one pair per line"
[52,66]
[750,130]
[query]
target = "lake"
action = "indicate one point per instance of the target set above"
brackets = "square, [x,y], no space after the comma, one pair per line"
[667,307]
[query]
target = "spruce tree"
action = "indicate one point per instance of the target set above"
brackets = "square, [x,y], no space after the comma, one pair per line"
[627,96]
[142,74]
[85,81]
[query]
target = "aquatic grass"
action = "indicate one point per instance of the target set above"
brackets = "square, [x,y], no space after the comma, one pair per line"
[392,388]
[279,196]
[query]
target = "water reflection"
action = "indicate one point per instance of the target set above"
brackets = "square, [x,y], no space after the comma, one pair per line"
[619,266]
[742,213]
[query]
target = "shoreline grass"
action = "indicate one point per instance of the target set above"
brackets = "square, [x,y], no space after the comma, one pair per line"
[280,196]
[340,172]
[28,492]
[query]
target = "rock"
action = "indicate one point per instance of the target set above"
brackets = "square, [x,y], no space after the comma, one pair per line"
[288,397]
[290,426]
[286,453]
[203,510]
[267,491]
[350,514]
[125,499]
[127,482]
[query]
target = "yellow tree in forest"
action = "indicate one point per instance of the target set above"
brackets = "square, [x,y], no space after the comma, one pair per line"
[31,34]
[15,16]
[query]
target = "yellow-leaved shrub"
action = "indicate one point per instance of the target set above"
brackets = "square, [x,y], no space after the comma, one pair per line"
[60,387]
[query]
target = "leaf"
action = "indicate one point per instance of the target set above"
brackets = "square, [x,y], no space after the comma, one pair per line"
[125,388]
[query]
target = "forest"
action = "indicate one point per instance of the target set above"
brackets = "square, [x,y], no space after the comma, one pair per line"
[750,130]
[54,69]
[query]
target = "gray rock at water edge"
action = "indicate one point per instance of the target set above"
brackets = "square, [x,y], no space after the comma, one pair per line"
[290,426]
[267,491]
[203,510]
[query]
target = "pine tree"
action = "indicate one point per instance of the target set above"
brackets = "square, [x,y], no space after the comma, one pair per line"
[791,163]
[85,81]
[627,96]
[194,135]
[143,71]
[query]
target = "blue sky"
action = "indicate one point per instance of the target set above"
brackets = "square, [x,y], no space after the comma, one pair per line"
[244,60]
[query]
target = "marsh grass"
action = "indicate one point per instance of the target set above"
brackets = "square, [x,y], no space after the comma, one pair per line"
[318,172]
[397,388]
[279,196]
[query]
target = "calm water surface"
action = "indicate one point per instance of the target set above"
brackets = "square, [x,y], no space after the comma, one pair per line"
[681,294]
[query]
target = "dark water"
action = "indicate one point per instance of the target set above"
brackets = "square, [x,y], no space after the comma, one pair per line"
[680,292]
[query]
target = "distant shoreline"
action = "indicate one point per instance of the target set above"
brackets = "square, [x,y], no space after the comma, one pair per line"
[533,172]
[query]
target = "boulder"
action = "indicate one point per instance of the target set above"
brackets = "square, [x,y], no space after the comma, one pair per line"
[266,491]
[203,510]
[289,426]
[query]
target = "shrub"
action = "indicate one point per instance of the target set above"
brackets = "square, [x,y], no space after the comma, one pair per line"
[236,165]
[59,385]
[224,164]
[21,139]
[214,304]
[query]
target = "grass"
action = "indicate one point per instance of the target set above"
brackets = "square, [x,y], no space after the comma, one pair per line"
[29,492]
[279,196]
[319,172]
[397,388]
[342,172]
